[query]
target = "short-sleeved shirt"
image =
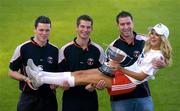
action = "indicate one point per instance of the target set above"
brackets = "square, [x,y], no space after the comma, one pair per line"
[133,51]
[74,58]
[45,57]
[144,64]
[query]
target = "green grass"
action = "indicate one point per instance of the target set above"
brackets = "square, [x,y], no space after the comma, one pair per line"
[16,25]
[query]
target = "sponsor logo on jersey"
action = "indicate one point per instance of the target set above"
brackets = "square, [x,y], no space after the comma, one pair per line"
[136,54]
[90,61]
[50,60]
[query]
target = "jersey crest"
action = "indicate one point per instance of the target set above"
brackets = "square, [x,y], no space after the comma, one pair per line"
[90,61]
[50,60]
[136,53]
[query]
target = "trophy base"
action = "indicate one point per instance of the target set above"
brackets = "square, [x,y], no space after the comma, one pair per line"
[106,70]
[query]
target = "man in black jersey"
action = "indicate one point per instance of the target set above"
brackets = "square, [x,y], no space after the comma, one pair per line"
[81,54]
[44,55]
[132,44]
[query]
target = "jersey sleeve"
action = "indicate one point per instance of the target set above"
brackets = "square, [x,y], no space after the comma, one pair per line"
[62,64]
[15,62]
[102,57]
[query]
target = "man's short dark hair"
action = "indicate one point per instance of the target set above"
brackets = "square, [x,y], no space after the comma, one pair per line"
[85,18]
[42,19]
[123,14]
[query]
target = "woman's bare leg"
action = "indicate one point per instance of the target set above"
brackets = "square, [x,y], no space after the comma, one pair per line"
[85,77]
[82,77]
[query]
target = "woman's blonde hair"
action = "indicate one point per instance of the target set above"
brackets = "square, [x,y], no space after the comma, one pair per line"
[165,47]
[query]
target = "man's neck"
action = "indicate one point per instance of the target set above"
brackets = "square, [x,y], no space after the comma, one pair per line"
[41,44]
[82,42]
[128,39]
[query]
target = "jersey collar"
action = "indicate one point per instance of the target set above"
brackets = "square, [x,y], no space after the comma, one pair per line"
[77,45]
[35,43]
[133,41]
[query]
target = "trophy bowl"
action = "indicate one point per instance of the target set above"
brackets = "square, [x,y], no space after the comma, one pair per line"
[115,54]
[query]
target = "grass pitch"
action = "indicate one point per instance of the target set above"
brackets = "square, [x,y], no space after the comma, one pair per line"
[16,26]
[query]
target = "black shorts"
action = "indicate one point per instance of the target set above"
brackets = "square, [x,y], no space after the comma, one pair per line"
[81,104]
[34,102]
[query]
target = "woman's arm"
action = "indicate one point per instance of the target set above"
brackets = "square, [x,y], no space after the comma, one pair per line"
[139,76]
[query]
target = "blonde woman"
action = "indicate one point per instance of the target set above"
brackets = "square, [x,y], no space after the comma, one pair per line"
[118,80]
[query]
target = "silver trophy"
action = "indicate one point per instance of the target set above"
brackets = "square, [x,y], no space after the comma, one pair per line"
[113,54]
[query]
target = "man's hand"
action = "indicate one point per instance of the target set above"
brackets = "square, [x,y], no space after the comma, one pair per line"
[90,87]
[65,85]
[158,63]
[101,84]
[113,64]
[53,86]
[28,81]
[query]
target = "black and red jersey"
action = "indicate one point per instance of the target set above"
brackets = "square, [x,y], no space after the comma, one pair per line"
[133,50]
[74,58]
[45,57]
